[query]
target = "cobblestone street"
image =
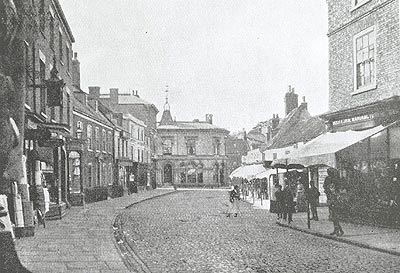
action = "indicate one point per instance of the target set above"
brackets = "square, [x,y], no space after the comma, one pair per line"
[189,232]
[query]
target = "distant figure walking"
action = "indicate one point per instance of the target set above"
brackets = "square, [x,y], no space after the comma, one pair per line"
[234,197]
[332,191]
[279,202]
[288,205]
[312,197]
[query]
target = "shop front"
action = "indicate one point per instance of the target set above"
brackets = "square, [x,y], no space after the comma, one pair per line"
[364,145]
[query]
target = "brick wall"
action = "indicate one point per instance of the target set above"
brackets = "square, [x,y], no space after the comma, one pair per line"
[343,25]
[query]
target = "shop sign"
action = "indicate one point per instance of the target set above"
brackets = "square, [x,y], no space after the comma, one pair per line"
[51,143]
[37,134]
[353,119]
[322,174]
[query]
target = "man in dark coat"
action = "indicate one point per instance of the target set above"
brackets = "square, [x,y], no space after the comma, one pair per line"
[287,197]
[312,197]
[279,201]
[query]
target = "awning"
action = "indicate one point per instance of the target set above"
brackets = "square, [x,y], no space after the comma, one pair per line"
[247,171]
[322,149]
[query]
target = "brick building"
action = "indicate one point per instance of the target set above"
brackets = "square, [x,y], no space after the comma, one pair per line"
[48,110]
[190,153]
[142,110]
[364,108]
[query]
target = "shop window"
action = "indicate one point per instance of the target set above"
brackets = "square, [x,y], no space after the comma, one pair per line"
[364,61]
[394,142]
[200,177]
[90,175]
[183,177]
[379,145]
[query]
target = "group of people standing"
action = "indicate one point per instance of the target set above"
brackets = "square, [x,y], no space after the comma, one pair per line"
[284,206]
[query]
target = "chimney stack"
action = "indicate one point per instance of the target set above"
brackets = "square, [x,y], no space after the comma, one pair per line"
[94,92]
[76,71]
[114,96]
[291,100]
[209,118]
[304,103]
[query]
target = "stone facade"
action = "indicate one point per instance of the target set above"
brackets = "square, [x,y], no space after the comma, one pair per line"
[191,153]
[345,22]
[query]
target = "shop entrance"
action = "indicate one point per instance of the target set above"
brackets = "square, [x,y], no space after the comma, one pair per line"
[168,174]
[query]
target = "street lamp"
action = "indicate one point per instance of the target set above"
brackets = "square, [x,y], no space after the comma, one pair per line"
[54,87]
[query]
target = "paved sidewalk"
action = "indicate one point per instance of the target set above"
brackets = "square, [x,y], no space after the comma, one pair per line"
[372,237]
[82,241]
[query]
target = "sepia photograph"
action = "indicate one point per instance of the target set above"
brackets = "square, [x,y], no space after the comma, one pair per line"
[229,136]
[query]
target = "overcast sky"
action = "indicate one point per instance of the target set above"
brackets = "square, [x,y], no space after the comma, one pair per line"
[231,58]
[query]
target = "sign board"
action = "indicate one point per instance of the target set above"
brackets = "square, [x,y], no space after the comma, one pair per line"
[322,174]
[37,134]
[51,143]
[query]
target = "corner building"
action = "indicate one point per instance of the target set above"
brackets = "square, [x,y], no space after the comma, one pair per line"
[190,154]
[364,88]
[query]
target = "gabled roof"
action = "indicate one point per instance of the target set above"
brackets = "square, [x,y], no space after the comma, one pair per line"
[297,126]
[90,112]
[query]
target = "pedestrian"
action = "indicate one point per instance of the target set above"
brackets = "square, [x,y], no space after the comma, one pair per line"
[234,197]
[279,201]
[288,204]
[312,197]
[332,191]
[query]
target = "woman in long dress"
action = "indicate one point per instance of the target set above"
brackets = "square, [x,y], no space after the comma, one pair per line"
[234,197]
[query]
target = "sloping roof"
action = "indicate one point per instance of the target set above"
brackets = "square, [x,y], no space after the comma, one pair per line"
[90,112]
[125,99]
[187,125]
[297,126]
[166,118]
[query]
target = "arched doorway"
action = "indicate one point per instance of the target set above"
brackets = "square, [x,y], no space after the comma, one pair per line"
[168,174]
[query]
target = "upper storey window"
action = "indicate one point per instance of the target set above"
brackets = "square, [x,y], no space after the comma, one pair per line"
[167,147]
[365,60]
[358,3]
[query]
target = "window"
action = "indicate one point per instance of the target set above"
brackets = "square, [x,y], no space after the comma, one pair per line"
[217,145]
[90,175]
[79,130]
[167,147]
[42,22]
[104,140]
[60,46]
[109,141]
[97,139]
[68,109]
[67,56]
[191,146]
[364,61]
[28,79]
[51,29]
[42,78]
[89,137]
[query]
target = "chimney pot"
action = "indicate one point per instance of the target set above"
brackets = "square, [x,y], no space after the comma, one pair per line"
[304,98]
[75,55]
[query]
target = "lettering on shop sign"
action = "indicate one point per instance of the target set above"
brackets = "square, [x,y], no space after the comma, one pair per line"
[353,119]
